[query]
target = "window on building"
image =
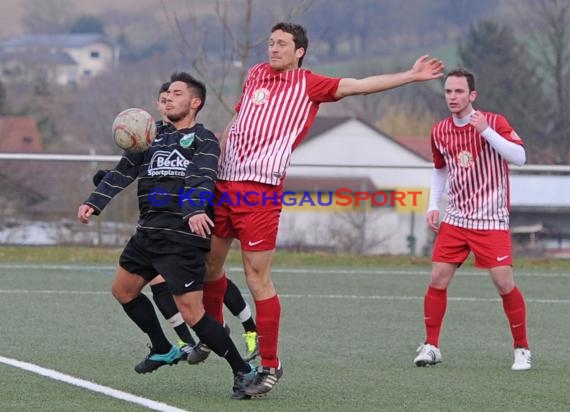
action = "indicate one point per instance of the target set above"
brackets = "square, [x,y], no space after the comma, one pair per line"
[28,139]
[94,54]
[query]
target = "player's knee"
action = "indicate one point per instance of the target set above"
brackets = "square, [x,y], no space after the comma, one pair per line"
[505,286]
[191,314]
[125,291]
[259,283]
[122,295]
[214,267]
[439,280]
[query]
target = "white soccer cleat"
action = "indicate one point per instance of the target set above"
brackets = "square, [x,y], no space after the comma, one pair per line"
[523,360]
[427,355]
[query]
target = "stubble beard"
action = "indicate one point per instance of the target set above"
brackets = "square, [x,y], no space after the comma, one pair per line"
[176,117]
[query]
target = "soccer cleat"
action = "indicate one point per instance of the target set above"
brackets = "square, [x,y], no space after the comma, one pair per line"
[154,361]
[251,346]
[241,381]
[264,381]
[198,354]
[185,349]
[427,355]
[523,360]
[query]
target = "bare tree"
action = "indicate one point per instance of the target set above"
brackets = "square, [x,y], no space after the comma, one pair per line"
[549,24]
[227,70]
[508,80]
[358,232]
[92,111]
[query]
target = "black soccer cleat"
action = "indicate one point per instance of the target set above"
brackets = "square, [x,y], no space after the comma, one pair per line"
[264,381]
[153,361]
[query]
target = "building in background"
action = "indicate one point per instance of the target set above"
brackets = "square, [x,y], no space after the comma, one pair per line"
[64,59]
[379,189]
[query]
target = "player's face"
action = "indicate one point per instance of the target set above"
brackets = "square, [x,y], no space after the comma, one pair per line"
[282,53]
[179,102]
[161,105]
[458,97]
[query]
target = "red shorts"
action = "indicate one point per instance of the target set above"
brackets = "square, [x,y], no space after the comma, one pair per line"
[249,212]
[491,248]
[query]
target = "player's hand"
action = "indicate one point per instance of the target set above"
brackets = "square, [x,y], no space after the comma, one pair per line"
[427,69]
[201,225]
[84,213]
[433,220]
[479,121]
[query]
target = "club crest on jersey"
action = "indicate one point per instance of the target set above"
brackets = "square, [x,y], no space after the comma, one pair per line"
[187,140]
[465,159]
[260,96]
[165,163]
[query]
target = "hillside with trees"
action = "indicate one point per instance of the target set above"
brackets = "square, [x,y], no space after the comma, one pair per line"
[519,50]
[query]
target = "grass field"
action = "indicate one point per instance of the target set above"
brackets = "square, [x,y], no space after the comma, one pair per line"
[349,335]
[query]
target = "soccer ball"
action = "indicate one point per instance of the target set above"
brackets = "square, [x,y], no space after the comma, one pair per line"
[134,130]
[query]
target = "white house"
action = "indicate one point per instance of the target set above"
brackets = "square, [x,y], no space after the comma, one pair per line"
[60,58]
[390,181]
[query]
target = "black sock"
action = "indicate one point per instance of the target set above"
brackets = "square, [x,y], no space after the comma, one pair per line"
[165,303]
[234,301]
[213,334]
[249,325]
[141,311]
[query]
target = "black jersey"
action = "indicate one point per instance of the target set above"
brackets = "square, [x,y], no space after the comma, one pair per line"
[176,178]
[162,126]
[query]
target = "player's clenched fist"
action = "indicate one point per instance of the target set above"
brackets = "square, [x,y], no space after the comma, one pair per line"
[478,121]
[84,213]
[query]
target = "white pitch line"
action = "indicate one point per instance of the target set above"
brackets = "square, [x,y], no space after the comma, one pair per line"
[55,266]
[105,390]
[292,296]
[300,270]
[54,292]
[458,299]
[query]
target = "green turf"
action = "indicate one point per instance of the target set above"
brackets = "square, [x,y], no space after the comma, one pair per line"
[74,254]
[348,339]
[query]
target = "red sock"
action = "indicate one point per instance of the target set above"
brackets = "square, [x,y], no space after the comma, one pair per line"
[214,292]
[435,304]
[514,306]
[268,313]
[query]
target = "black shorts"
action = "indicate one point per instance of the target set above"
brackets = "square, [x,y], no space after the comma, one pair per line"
[183,268]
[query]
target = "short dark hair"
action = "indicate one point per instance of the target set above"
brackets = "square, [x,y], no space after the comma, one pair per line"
[163,88]
[462,72]
[299,36]
[198,87]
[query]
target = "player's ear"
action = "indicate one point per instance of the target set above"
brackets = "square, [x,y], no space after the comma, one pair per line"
[195,102]
[473,96]
[300,52]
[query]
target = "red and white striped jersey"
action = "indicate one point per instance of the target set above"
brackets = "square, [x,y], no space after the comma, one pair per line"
[274,114]
[478,176]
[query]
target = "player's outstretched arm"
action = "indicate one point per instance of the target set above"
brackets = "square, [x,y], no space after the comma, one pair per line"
[425,68]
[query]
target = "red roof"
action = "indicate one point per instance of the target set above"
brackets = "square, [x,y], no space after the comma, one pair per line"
[418,144]
[19,134]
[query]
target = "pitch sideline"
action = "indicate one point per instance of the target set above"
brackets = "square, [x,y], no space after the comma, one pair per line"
[94,387]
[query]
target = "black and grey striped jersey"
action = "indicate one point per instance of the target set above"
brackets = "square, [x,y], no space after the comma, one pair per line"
[176,178]
[162,126]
